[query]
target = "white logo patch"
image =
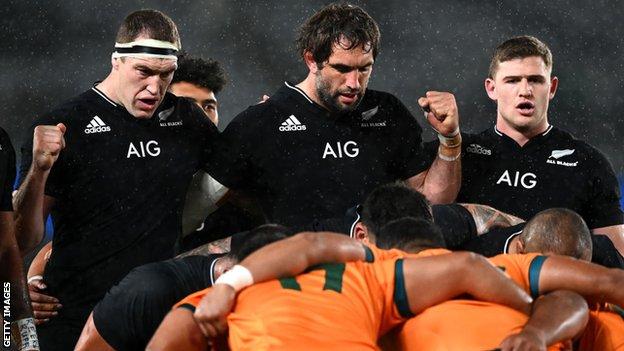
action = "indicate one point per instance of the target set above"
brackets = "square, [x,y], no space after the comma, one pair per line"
[150,148]
[291,124]
[527,180]
[557,154]
[96,126]
[164,114]
[553,159]
[478,149]
[368,114]
[349,149]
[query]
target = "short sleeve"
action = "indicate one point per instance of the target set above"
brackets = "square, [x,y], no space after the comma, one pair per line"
[410,158]
[603,201]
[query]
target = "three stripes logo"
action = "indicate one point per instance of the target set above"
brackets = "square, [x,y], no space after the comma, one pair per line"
[96,126]
[291,124]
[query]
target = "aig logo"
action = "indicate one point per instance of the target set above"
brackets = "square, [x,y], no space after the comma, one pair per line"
[526,180]
[349,149]
[150,148]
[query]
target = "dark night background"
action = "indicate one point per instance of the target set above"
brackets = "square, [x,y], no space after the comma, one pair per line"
[52,51]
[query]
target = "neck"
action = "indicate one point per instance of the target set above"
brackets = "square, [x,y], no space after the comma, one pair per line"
[520,137]
[308,86]
[106,87]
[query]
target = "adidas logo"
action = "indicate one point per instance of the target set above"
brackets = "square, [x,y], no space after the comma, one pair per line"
[96,126]
[291,124]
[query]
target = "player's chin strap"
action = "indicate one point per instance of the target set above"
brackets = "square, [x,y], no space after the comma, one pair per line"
[26,339]
[146,48]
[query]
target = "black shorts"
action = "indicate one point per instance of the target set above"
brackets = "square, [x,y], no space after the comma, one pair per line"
[131,311]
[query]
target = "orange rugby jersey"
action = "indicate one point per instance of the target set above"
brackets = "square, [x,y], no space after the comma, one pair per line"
[474,325]
[334,306]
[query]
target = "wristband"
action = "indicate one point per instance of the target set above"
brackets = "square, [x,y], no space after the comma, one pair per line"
[451,141]
[28,334]
[34,277]
[238,278]
[447,158]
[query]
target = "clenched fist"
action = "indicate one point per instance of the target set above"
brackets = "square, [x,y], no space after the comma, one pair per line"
[441,111]
[48,141]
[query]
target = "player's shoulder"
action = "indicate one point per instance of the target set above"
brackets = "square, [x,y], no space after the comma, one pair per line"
[569,143]
[76,109]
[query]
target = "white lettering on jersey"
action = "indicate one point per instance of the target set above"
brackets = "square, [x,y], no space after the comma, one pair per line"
[150,148]
[527,180]
[350,149]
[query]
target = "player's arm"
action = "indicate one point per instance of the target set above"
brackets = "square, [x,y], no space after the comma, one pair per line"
[31,205]
[453,275]
[13,280]
[283,258]
[44,306]
[440,183]
[556,317]
[597,283]
[615,233]
[487,217]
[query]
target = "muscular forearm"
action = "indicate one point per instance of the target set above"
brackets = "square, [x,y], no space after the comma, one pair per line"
[558,316]
[485,282]
[28,202]
[441,182]
[486,217]
[294,255]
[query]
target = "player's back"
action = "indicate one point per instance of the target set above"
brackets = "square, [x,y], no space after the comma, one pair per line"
[332,307]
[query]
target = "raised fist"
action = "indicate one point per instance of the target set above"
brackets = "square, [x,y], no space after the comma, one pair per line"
[48,141]
[441,111]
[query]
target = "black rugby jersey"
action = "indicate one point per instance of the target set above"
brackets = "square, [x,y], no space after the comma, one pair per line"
[303,162]
[553,169]
[7,171]
[119,185]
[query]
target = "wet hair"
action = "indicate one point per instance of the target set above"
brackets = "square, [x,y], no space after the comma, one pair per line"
[258,238]
[410,234]
[207,74]
[393,201]
[332,25]
[558,231]
[155,24]
[519,48]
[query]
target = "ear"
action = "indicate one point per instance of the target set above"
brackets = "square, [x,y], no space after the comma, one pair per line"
[309,61]
[360,232]
[519,246]
[115,63]
[554,83]
[490,88]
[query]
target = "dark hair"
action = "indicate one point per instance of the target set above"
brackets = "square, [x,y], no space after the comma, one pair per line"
[258,238]
[520,47]
[207,74]
[559,231]
[333,23]
[153,23]
[393,201]
[409,234]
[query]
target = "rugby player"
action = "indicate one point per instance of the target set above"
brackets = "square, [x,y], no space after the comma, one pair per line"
[332,139]
[523,164]
[482,326]
[129,314]
[11,273]
[112,166]
[335,306]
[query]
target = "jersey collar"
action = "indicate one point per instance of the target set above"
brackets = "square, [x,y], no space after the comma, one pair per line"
[536,140]
[102,95]
[300,95]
